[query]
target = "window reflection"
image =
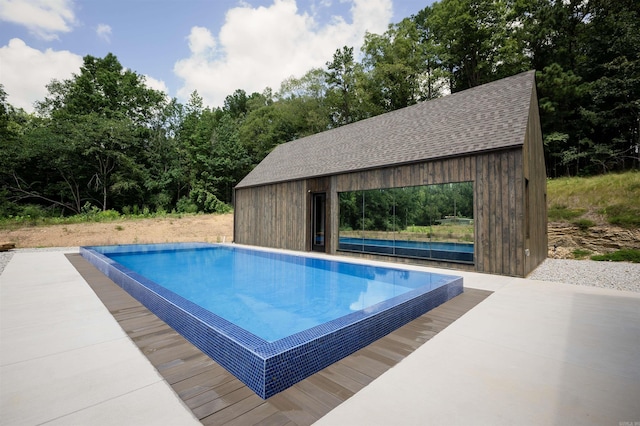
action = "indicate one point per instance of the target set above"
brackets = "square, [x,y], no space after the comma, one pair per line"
[429,221]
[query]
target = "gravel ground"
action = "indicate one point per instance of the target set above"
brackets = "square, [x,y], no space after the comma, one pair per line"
[5,257]
[615,275]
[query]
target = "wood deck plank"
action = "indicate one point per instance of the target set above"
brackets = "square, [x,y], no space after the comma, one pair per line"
[215,392]
[260,414]
[234,411]
[217,397]
[218,404]
[337,374]
[275,419]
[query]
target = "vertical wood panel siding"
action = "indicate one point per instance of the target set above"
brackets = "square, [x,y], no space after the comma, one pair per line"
[535,171]
[499,225]
[272,216]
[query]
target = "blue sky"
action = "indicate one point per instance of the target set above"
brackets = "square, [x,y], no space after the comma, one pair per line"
[212,46]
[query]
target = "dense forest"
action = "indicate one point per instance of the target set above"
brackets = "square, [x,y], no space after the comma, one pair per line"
[103,140]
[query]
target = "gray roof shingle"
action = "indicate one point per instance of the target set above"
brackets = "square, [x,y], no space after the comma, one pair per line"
[488,117]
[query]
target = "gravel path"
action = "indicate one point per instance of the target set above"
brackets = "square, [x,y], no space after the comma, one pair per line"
[615,275]
[5,257]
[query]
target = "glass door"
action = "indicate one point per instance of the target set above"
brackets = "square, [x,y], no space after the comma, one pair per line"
[318,221]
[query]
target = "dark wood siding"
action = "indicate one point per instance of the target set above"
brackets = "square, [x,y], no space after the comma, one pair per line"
[535,172]
[272,216]
[498,230]
[459,169]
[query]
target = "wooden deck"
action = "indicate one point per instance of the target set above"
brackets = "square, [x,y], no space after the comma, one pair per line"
[217,397]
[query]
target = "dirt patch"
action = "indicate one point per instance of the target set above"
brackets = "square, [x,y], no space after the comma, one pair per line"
[201,228]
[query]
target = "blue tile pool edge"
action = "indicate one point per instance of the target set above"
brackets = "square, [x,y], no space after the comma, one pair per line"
[270,367]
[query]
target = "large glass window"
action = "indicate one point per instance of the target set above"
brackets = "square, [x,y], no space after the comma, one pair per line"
[429,222]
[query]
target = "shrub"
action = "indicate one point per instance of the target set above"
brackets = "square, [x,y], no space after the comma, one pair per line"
[108,215]
[583,224]
[624,255]
[185,205]
[33,212]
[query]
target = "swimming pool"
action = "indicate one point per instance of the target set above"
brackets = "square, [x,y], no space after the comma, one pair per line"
[270,318]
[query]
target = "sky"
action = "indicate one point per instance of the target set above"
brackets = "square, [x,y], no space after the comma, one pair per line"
[212,46]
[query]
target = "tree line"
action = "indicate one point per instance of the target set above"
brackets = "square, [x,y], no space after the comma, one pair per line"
[396,209]
[104,140]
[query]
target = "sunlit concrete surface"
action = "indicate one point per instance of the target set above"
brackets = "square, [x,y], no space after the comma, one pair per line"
[65,360]
[533,353]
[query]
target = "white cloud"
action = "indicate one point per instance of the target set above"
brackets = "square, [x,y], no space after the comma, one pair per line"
[260,47]
[156,84]
[44,18]
[26,71]
[104,32]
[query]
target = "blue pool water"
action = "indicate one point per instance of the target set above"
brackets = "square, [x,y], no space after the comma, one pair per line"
[423,245]
[271,295]
[450,252]
[270,318]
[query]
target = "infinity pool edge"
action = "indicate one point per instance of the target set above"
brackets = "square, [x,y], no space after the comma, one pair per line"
[270,367]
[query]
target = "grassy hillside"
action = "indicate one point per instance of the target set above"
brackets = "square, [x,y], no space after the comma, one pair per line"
[612,198]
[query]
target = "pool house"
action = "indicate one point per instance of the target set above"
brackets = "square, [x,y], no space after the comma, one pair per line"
[457,182]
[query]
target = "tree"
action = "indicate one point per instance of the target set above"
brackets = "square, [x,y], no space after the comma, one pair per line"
[237,104]
[474,43]
[394,63]
[433,78]
[230,161]
[612,66]
[103,114]
[341,81]
[305,101]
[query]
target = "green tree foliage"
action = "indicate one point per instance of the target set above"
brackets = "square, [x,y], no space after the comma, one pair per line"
[347,99]
[98,122]
[306,101]
[587,55]
[395,65]
[473,41]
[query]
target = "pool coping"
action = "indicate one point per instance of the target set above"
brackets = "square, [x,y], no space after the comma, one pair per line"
[270,367]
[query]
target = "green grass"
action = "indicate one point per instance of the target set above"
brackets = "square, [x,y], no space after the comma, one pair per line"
[558,213]
[21,221]
[581,253]
[616,196]
[625,255]
[583,223]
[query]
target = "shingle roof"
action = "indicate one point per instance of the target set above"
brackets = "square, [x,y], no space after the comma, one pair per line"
[488,117]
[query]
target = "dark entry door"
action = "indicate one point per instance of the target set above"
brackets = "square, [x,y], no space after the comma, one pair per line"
[318,221]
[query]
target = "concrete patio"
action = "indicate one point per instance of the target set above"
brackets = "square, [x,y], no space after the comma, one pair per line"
[532,353]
